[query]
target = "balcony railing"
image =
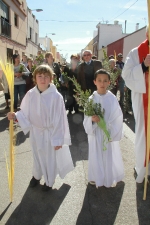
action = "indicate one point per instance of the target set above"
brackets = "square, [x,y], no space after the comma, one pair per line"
[5,28]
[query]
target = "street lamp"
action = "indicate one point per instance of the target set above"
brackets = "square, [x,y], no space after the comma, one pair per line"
[50,33]
[37,10]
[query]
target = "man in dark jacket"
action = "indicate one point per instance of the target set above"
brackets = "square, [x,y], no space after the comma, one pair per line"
[86,71]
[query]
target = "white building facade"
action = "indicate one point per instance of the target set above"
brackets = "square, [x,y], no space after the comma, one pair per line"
[32,34]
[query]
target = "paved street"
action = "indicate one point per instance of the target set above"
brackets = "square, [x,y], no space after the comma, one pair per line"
[72,200]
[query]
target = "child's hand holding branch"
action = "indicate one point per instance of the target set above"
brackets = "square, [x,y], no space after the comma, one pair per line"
[11,115]
[95,118]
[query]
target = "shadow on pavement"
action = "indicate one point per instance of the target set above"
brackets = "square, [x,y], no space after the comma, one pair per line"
[79,147]
[4,124]
[100,206]
[143,206]
[37,207]
[129,120]
[21,138]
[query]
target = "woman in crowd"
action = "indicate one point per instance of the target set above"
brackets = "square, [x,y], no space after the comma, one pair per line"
[20,74]
[71,103]
[54,66]
[29,80]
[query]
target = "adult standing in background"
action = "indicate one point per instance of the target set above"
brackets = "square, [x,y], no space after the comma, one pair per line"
[20,72]
[86,71]
[54,66]
[121,83]
[24,60]
[29,80]
[71,102]
[135,74]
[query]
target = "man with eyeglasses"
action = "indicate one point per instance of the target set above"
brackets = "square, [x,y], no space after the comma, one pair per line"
[86,71]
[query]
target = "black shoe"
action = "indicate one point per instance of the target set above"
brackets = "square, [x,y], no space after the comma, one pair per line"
[46,188]
[34,182]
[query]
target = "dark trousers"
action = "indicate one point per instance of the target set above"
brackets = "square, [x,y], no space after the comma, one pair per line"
[19,90]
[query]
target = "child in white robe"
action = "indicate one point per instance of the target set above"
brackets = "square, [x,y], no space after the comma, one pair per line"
[43,114]
[105,167]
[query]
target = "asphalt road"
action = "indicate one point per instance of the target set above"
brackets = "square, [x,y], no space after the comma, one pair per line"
[72,200]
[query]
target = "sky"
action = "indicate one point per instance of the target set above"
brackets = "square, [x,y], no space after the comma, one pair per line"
[74,21]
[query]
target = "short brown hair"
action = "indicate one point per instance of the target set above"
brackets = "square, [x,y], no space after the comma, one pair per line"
[42,69]
[48,54]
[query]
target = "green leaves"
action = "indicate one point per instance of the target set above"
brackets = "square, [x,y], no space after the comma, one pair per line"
[21,68]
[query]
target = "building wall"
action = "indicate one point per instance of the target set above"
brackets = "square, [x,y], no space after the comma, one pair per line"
[33,38]
[101,53]
[108,33]
[133,40]
[17,40]
[54,51]
[115,47]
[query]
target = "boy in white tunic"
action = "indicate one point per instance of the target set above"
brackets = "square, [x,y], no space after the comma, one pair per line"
[43,114]
[105,167]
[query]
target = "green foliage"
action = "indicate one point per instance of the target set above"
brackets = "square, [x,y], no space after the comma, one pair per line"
[90,108]
[33,68]
[21,68]
[56,82]
[114,73]
[65,78]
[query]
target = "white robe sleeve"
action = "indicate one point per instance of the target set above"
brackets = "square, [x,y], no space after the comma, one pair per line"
[61,133]
[88,125]
[115,122]
[23,115]
[133,74]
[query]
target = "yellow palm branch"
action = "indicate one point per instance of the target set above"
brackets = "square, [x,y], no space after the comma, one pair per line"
[9,73]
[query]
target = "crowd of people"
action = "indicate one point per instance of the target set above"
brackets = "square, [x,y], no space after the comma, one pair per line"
[43,113]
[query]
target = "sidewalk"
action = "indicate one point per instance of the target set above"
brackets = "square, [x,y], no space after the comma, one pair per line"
[72,201]
[1,93]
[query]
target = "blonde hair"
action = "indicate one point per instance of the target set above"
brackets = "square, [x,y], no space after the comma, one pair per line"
[42,69]
[29,59]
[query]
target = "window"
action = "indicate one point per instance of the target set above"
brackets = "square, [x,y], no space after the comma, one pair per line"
[16,51]
[4,11]
[4,19]
[23,53]
[31,55]
[30,34]
[16,20]
[36,38]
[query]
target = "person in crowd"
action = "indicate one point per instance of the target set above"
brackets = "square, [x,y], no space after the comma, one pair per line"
[135,74]
[94,57]
[54,66]
[29,80]
[43,114]
[20,73]
[63,89]
[111,57]
[105,167]
[71,103]
[113,68]
[59,64]
[24,60]
[6,90]
[121,83]
[86,70]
